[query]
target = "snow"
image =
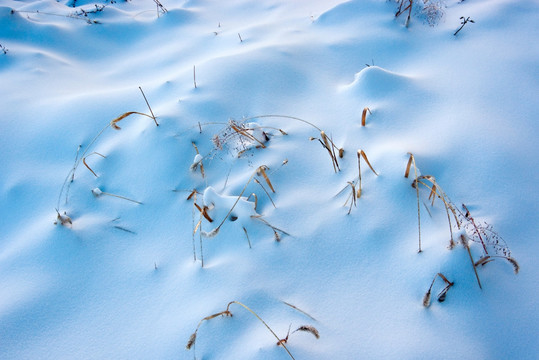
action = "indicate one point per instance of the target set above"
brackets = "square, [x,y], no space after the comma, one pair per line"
[105,258]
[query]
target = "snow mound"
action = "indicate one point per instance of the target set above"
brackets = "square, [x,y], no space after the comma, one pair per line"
[374,82]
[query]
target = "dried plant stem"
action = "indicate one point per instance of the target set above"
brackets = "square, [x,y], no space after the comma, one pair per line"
[436,191]
[255,197]
[464,241]
[88,167]
[247,135]
[97,192]
[298,309]
[326,144]
[352,196]
[284,117]
[78,159]
[411,161]
[262,321]
[201,164]
[364,115]
[201,244]
[114,122]
[262,171]
[149,107]
[441,296]
[263,188]
[194,76]
[489,258]
[259,218]
[409,8]
[192,339]
[469,217]
[360,154]
[247,236]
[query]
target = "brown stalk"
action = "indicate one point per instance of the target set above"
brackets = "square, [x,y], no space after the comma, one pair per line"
[325,143]
[262,170]
[485,260]
[114,122]
[246,134]
[364,115]
[361,153]
[442,295]
[204,212]
[309,328]
[88,167]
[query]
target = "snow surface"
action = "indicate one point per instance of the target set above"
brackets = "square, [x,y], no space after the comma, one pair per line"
[115,279]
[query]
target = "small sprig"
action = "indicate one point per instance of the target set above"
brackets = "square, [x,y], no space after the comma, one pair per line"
[463,22]
[408,7]
[442,295]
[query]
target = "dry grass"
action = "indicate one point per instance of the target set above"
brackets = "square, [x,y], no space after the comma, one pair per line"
[301,311]
[267,194]
[262,171]
[192,339]
[276,231]
[464,241]
[361,154]
[364,116]
[407,6]
[328,144]
[98,193]
[442,295]
[351,197]
[486,259]
[437,192]
[114,122]
[149,107]
[199,163]
[411,160]
[86,164]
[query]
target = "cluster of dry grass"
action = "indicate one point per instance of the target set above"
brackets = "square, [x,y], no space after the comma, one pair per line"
[244,137]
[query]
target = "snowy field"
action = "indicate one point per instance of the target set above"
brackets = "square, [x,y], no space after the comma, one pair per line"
[260,188]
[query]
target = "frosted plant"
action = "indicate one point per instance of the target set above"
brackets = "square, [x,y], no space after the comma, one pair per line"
[432,11]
